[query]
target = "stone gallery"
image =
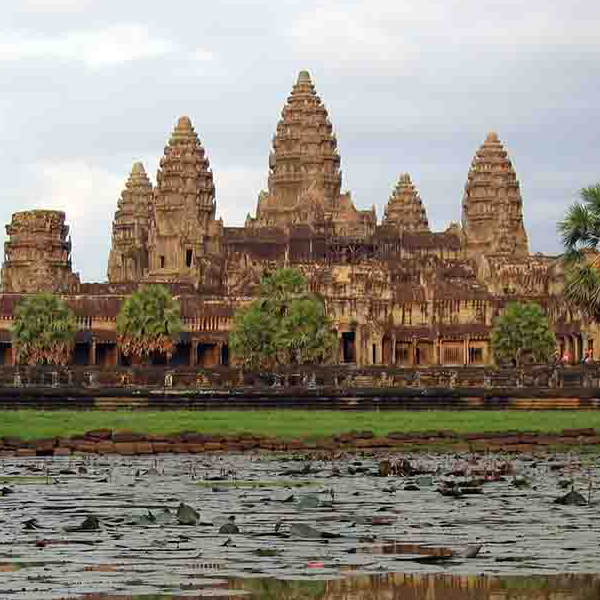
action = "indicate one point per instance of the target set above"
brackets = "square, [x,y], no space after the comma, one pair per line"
[399,293]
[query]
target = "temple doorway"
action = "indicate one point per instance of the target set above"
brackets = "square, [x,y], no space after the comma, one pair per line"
[181,356]
[386,349]
[207,355]
[349,347]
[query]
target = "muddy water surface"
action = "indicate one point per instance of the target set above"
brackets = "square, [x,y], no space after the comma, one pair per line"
[315,527]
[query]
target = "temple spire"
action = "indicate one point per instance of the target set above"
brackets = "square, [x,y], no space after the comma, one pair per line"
[405,210]
[128,258]
[184,207]
[492,213]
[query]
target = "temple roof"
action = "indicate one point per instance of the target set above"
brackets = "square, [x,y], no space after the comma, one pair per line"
[185,168]
[492,204]
[405,210]
[304,147]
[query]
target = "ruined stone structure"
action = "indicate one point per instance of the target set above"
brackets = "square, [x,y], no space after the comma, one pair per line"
[37,255]
[399,293]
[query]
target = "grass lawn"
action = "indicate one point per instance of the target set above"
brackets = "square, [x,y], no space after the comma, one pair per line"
[31,424]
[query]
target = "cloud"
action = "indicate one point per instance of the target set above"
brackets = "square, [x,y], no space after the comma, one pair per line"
[95,48]
[399,37]
[237,188]
[88,195]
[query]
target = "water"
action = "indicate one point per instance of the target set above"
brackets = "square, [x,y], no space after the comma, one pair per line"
[392,543]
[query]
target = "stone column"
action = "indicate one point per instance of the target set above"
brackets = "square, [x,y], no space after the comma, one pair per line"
[466,351]
[438,351]
[220,352]
[413,352]
[358,347]
[193,353]
[393,352]
[92,352]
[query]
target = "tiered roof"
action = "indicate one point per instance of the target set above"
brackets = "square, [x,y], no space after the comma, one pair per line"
[492,197]
[405,210]
[184,177]
[130,228]
[304,147]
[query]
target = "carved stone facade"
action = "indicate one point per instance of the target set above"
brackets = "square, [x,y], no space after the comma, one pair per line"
[492,205]
[37,255]
[405,210]
[399,293]
[128,258]
[304,171]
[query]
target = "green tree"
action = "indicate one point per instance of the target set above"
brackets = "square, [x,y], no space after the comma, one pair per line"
[580,232]
[285,325]
[522,327]
[44,329]
[149,323]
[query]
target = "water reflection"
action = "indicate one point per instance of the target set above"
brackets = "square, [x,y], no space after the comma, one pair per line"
[396,586]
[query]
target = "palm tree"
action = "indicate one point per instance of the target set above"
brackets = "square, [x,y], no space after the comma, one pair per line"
[580,231]
[44,329]
[149,323]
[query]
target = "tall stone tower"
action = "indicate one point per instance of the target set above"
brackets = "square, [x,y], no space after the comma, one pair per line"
[37,254]
[492,214]
[405,210]
[182,225]
[304,169]
[128,258]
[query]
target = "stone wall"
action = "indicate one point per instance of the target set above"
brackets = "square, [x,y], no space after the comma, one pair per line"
[541,387]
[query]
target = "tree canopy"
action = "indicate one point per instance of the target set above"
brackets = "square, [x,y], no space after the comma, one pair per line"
[285,325]
[44,329]
[522,327]
[149,323]
[580,232]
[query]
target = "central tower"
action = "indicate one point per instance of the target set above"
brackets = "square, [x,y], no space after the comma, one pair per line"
[304,168]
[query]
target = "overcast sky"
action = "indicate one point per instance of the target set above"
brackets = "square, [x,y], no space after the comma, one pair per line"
[87,87]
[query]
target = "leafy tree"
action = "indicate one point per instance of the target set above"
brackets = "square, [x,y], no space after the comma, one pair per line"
[285,325]
[580,231]
[44,329]
[149,323]
[522,327]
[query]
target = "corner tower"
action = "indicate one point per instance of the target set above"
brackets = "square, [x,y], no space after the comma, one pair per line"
[492,214]
[128,258]
[37,254]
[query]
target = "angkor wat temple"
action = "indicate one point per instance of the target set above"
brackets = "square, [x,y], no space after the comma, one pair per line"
[399,293]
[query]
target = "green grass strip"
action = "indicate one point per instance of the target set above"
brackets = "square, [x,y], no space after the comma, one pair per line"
[286,424]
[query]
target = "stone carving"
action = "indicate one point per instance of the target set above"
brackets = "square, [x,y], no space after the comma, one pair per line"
[417,380]
[128,258]
[398,294]
[37,254]
[405,210]
[492,197]
[453,380]
[202,381]
[304,168]
[183,217]
[169,380]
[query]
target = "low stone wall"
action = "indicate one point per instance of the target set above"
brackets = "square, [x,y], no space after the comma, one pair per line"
[401,398]
[105,442]
[306,377]
[375,388]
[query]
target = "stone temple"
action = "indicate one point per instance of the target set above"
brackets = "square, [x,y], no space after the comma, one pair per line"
[399,293]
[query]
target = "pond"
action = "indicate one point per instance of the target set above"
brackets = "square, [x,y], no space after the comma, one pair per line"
[310,526]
